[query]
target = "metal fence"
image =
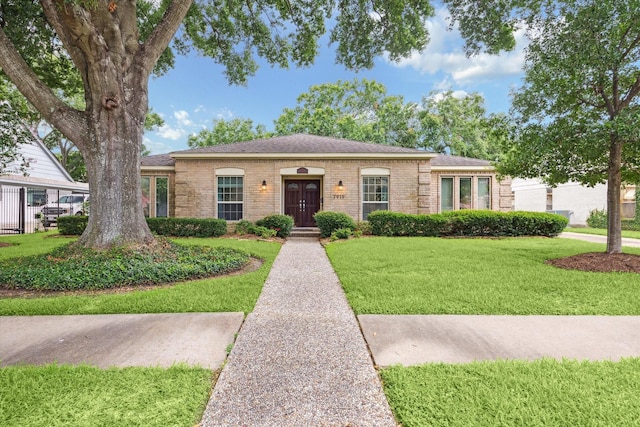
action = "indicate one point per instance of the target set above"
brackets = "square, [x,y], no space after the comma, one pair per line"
[20,207]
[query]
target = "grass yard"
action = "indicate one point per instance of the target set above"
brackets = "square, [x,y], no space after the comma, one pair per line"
[602,232]
[393,275]
[49,396]
[231,293]
[516,393]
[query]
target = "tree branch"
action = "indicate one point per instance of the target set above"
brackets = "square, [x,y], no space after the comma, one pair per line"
[634,90]
[159,39]
[66,119]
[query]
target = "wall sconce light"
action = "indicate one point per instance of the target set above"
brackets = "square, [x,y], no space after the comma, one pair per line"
[264,185]
[340,186]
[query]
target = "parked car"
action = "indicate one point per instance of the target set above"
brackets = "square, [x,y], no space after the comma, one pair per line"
[74,204]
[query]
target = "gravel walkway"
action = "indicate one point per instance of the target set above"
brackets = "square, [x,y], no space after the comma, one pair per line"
[300,358]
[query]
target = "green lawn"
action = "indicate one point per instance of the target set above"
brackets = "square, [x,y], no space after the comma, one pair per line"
[477,276]
[516,393]
[602,232]
[233,293]
[49,396]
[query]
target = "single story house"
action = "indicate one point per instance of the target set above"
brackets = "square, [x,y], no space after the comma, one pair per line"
[302,174]
[571,199]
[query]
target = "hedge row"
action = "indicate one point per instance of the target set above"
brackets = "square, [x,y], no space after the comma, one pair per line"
[178,227]
[467,223]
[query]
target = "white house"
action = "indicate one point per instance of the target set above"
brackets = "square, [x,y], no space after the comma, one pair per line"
[21,197]
[571,199]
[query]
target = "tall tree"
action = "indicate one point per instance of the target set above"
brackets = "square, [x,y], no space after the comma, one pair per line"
[359,110]
[578,111]
[458,125]
[115,45]
[228,132]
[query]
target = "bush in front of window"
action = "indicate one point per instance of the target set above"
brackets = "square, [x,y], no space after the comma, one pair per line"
[341,233]
[328,222]
[281,223]
[467,224]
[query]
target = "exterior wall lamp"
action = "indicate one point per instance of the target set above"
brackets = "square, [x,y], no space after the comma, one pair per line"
[340,186]
[264,185]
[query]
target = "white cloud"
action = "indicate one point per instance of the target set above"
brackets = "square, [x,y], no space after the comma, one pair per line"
[445,54]
[166,131]
[439,96]
[182,117]
[156,147]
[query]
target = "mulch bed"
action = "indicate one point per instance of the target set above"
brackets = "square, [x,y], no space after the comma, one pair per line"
[599,262]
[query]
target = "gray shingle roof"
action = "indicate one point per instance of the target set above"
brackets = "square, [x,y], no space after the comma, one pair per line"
[301,143]
[158,160]
[447,160]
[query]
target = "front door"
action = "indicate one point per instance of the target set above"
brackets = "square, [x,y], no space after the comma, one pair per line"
[302,201]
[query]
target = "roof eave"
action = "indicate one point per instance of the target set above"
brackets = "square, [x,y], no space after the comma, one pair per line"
[157,168]
[327,156]
[462,168]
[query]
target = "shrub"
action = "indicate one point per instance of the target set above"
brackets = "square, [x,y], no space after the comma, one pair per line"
[363,228]
[385,223]
[72,225]
[282,224]
[188,227]
[597,218]
[467,223]
[263,232]
[244,227]
[328,222]
[341,233]
[630,224]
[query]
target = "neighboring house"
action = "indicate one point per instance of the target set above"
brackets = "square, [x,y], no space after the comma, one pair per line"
[21,197]
[572,199]
[300,175]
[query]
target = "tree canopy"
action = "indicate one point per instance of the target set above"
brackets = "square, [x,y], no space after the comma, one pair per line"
[227,132]
[576,116]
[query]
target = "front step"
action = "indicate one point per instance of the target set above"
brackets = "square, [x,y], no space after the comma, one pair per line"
[305,232]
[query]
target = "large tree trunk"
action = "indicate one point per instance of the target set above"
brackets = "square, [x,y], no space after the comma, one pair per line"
[614,184]
[113,171]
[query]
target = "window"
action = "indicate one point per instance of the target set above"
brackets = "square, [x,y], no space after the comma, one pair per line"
[162,197]
[465,193]
[230,197]
[36,197]
[458,193]
[375,194]
[549,198]
[484,193]
[446,194]
[145,183]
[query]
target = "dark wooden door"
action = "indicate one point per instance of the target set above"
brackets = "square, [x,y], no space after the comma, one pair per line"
[302,201]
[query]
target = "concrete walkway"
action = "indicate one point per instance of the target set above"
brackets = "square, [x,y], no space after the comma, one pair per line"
[415,339]
[300,359]
[626,241]
[106,340]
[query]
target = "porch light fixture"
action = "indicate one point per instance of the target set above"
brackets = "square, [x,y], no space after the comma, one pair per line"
[340,187]
[264,185]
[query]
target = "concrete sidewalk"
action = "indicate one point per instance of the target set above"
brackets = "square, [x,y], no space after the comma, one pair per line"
[626,241]
[300,359]
[106,340]
[414,339]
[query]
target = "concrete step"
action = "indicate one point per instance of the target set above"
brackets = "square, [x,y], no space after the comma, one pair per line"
[305,232]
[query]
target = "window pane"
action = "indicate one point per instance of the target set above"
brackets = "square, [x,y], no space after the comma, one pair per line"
[446,194]
[465,193]
[145,183]
[162,197]
[375,194]
[484,193]
[36,197]
[230,197]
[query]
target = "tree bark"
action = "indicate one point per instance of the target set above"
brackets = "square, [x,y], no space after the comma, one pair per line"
[614,184]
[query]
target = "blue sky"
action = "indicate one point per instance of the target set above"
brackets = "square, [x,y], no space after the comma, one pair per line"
[194,93]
